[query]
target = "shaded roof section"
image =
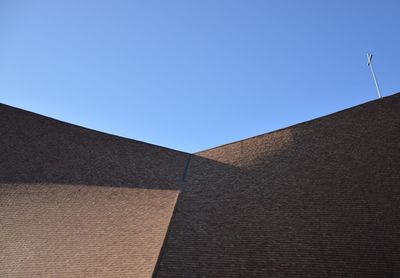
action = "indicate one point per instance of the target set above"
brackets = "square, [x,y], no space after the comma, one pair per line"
[38,149]
[318,199]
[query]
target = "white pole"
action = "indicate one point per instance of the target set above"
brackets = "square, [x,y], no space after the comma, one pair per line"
[373,74]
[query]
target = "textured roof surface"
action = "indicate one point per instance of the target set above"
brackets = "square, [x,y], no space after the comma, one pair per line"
[318,199]
[38,149]
[80,203]
[59,230]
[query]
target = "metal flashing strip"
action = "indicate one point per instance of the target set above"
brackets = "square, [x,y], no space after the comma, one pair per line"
[186,167]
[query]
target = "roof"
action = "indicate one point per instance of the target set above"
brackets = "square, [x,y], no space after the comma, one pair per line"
[317,199]
[77,202]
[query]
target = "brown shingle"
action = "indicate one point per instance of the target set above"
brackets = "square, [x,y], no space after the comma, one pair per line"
[59,230]
[38,149]
[80,203]
[318,199]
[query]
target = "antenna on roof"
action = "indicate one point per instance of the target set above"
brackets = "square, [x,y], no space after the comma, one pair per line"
[369,56]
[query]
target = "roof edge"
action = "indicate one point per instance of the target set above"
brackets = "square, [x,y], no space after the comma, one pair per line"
[90,129]
[299,124]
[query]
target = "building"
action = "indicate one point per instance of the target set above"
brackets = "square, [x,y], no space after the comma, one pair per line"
[317,199]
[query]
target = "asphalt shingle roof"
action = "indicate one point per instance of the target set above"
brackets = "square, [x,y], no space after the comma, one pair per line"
[318,199]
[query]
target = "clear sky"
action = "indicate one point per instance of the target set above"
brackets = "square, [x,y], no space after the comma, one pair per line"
[191,75]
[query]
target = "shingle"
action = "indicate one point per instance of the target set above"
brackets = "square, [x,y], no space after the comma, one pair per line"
[79,203]
[317,199]
[59,230]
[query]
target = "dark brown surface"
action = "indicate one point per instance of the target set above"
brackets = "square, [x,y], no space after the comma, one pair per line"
[79,203]
[37,149]
[318,199]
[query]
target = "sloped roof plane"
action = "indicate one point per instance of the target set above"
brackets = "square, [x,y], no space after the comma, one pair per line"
[318,199]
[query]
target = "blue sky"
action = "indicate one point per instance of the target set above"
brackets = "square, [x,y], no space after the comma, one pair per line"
[191,75]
